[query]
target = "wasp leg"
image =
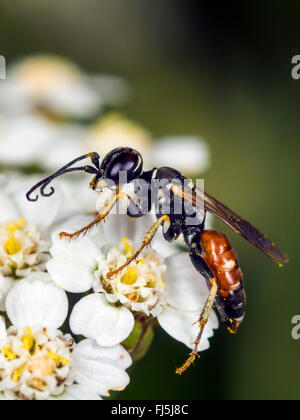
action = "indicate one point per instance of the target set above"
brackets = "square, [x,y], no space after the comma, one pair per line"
[101,216]
[148,238]
[202,322]
[192,240]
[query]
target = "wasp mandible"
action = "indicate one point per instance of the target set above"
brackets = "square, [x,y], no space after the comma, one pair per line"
[210,252]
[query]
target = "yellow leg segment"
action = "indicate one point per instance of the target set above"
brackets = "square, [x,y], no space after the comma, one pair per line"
[202,322]
[101,216]
[148,238]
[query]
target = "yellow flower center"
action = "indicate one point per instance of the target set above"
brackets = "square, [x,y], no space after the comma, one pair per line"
[43,364]
[9,354]
[12,246]
[127,247]
[38,360]
[16,375]
[130,277]
[28,342]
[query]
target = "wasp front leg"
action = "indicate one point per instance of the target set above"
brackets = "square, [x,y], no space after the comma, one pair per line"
[101,216]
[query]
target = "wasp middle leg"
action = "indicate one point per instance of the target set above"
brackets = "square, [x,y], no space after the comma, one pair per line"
[147,241]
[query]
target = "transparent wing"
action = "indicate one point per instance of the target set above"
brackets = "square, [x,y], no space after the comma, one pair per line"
[235,222]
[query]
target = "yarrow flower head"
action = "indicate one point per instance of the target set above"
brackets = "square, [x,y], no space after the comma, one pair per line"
[21,248]
[139,288]
[115,130]
[161,283]
[35,364]
[38,361]
[24,236]
[56,85]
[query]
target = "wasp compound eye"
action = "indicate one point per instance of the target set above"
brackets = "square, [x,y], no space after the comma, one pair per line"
[123,160]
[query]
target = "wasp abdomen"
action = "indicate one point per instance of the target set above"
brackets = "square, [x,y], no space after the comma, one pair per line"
[222,260]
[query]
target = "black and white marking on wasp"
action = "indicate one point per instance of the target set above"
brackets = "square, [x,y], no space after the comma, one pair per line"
[180,209]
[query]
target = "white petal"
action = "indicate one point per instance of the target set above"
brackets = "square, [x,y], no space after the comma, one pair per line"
[6,284]
[42,213]
[68,144]
[23,139]
[186,287]
[72,188]
[37,303]
[117,355]
[74,98]
[101,369]
[2,328]
[74,262]
[190,155]
[8,210]
[77,222]
[180,325]
[94,317]
[79,393]
[120,226]
[113,89]
[162,247]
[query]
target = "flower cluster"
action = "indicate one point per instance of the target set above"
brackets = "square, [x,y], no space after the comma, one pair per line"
[46,98]
[38,361]
[49,347]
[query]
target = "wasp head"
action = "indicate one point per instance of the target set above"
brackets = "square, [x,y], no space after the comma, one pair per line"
[122,160]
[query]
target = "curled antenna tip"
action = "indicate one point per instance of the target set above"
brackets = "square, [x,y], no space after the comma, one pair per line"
[44,194]
[30,198]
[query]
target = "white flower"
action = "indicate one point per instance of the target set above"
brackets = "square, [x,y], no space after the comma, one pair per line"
[77,196]
[160,284]
[39,362]
[24,234]
[51,145]
[32,139]
[56,85]
[114,130]
[188,154]
[21,248]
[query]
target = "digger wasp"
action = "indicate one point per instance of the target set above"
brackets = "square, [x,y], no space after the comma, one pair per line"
[166,190]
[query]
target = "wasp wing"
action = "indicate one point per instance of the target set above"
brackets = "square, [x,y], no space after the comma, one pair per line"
[235,222]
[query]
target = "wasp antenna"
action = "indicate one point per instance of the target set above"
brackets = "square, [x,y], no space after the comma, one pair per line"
[41,184]
[52,190]
[66,169]
[95,159]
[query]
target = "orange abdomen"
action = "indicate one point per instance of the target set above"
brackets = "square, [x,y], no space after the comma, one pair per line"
[222,260]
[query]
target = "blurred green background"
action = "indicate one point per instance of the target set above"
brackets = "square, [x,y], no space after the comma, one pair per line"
[222,71]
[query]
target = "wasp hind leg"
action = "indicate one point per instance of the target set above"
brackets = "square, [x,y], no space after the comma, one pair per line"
[202,323]
[147,241]
[101,216]
[201,266]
